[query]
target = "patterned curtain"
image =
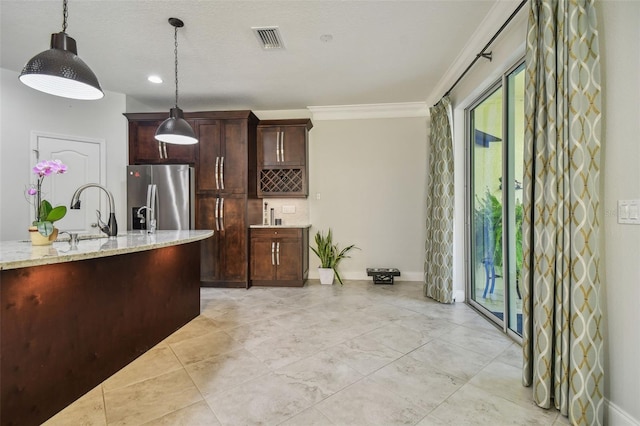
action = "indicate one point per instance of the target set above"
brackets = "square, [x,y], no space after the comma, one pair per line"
[438,262]
[562,333]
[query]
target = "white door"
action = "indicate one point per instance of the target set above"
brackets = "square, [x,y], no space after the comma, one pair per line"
[84,159]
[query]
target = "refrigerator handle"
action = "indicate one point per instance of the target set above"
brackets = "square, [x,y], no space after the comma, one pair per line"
[222,173]
[150,213]
[217,173]
[153,211]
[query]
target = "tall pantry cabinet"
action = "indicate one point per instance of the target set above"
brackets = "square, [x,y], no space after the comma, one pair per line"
[226,198]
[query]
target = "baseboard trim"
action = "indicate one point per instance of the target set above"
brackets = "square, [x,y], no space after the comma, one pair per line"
[616,416]
[353,275]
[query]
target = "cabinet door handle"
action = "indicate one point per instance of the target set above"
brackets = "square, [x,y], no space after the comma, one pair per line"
[278,146]
[278,253]
[282,146]
[215,214]
[221,172]
[217,172]
[221,215]
[273,250]
[160,149]
[164,148]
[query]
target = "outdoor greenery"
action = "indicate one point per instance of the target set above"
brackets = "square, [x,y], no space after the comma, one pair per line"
[488,231]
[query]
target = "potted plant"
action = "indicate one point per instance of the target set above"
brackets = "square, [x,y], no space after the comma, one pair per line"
[330,256]
[45,213]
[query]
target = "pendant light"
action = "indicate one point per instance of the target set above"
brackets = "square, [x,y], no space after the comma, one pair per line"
[59,71]
[175,129]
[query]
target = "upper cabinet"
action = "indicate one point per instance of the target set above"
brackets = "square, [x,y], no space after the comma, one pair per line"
[144,148]
[282,158]
[225,161]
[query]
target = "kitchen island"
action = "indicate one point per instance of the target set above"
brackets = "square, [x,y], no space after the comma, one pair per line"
[71,316]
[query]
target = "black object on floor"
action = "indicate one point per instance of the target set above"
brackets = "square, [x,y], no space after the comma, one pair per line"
[383,275]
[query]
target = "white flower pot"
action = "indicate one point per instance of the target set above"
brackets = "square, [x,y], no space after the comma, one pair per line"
[326,275]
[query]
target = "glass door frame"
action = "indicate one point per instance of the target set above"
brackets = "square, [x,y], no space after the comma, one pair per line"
[508,204]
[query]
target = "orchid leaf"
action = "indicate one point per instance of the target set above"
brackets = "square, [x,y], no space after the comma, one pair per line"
[45,208]
[56,213]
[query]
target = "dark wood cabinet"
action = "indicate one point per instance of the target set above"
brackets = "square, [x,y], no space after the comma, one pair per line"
[283,157]
[144,148]
[226,199]
[224,153]
[279,256]
[225,162]
[284,145]
[226,253]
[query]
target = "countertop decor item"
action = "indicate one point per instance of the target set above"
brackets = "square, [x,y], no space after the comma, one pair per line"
[175,129]
[330,256]
[45,213]
[37,239]
[59,71]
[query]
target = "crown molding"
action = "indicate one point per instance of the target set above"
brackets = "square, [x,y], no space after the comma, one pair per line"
[497,15]
[353,112]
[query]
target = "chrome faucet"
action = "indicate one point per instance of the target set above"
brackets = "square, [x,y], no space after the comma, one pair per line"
[151,226]
[110,228]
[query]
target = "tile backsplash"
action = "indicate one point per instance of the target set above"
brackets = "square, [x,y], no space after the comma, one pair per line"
[300,207]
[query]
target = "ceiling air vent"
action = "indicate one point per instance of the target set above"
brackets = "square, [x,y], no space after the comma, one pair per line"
[269,37]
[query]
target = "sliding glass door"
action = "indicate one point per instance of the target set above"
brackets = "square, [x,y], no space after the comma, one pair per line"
[495,124]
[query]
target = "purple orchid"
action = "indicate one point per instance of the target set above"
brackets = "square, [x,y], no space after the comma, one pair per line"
[44,212]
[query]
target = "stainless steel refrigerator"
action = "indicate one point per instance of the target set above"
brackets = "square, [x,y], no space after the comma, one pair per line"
[160,197]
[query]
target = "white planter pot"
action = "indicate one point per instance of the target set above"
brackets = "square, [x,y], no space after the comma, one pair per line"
[326,275]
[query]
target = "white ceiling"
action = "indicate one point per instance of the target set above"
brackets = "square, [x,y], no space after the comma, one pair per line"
[381,51]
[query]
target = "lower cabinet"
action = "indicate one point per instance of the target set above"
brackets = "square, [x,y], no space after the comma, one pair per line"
[279,256]
[225,256]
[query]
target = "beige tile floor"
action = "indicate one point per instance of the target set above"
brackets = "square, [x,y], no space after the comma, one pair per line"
[320,355]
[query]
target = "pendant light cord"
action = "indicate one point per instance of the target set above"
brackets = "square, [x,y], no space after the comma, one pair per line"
[65,15]
[175,51]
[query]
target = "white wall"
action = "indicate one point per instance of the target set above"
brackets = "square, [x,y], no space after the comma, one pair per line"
[23,110]
[370,178]
[620,257]
[620,50]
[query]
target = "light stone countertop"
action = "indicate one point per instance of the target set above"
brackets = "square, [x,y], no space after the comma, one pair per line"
[21,254]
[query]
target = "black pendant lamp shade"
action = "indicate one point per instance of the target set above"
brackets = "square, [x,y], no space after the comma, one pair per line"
[176,129]
[59,71]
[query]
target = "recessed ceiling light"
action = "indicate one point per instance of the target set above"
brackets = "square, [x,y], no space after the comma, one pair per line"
[154,79]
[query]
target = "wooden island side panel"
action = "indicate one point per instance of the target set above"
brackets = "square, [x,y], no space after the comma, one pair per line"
[67,327]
